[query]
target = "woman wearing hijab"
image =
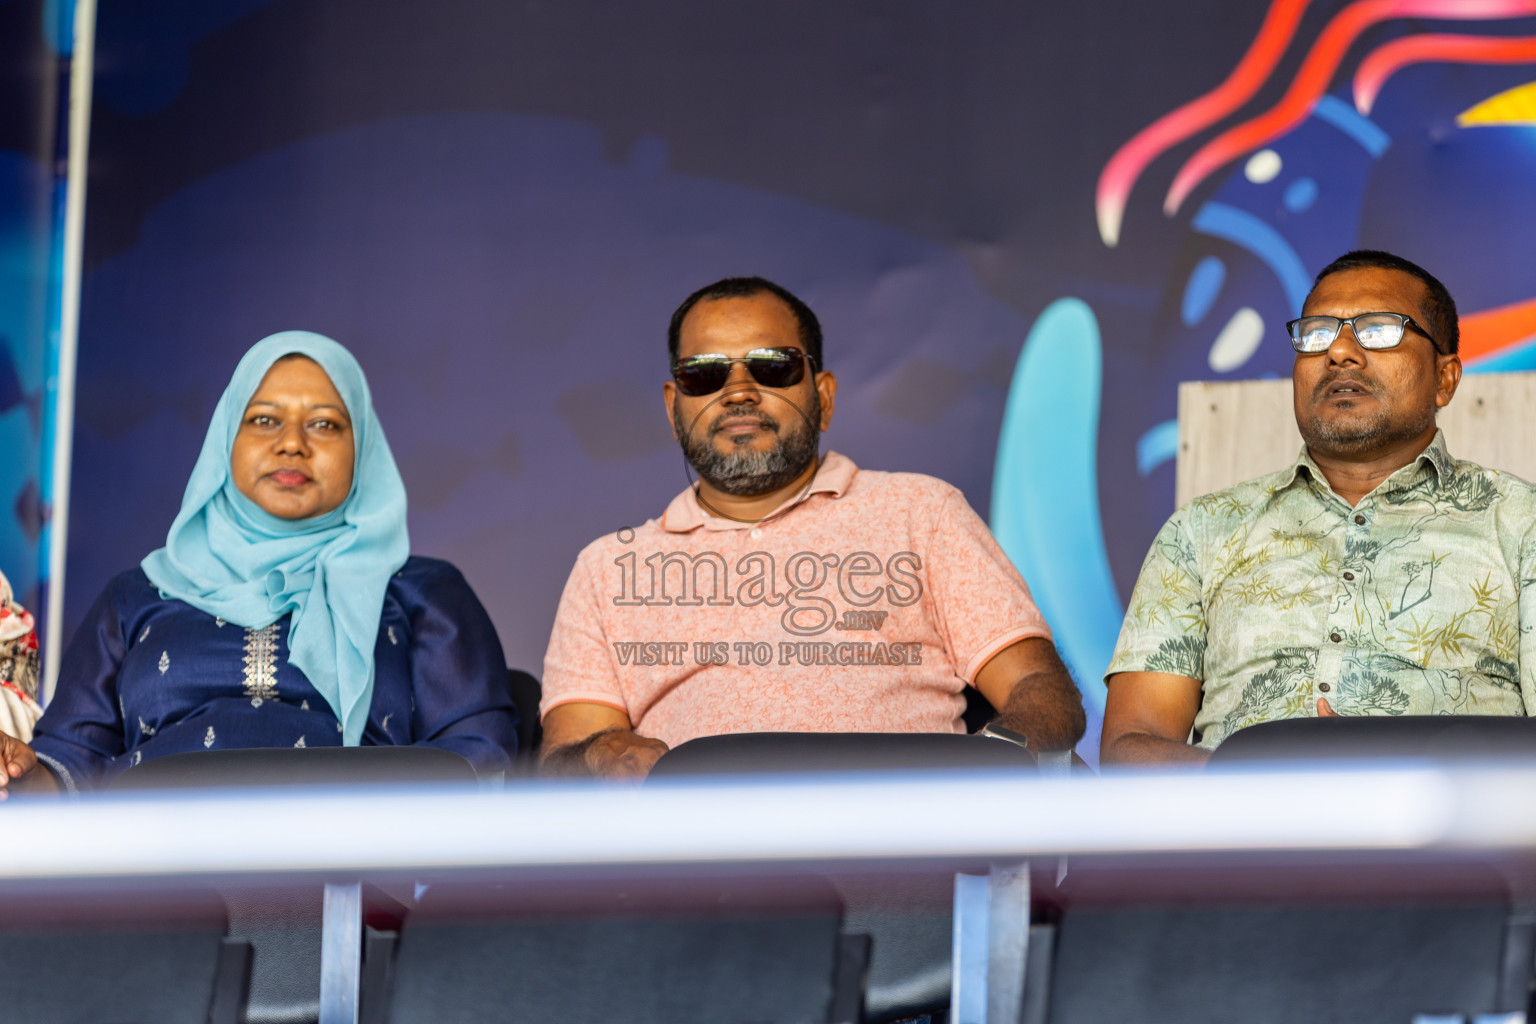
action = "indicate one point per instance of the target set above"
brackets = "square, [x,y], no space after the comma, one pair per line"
[285,608]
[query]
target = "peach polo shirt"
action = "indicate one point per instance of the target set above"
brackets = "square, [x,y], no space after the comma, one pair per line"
[864,606]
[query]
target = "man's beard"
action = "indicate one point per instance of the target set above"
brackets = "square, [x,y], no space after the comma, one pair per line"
[745,473]
[1359,434]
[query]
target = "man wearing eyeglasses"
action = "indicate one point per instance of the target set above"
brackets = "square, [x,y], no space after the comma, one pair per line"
[786,592]
[1375,576]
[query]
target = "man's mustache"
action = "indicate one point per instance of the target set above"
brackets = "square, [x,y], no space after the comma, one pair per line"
[768,422]
[1358,381]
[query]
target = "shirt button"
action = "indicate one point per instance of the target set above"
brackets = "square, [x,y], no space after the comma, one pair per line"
[756,533]
[1359,520]
[1349,576]
[1335,637]
[1324,687]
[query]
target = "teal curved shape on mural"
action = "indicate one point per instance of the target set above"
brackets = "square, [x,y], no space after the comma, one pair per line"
[1045,494]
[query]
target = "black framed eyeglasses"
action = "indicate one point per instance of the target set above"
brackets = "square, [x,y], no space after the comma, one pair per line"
[1374,331]
[770,367]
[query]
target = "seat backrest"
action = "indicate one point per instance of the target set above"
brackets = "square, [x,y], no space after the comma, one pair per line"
[284,925]
[1231,431]
[526,692]
[87,954]
[1277,965]
[1208,939]
[1438,737]
[290,766]
[770,752]
[978,710]
[908,918]
[702,950]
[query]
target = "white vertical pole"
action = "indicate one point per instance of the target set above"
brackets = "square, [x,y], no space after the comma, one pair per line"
[968,956]
[991,946]
[1007,941]
[82,64]
[341,953]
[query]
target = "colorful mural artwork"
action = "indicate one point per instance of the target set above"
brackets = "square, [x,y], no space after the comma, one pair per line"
[1419,145]
[31,197]
[1015,261]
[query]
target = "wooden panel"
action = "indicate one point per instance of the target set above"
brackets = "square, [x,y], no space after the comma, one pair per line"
[1492,420]
[1230,431]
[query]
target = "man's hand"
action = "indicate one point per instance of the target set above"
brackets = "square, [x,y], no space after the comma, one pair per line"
[1325,710]
[1034,694]
[16,761]
[596,739]
[621,754]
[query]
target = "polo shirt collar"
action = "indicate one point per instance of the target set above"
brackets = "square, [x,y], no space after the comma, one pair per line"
[834,476]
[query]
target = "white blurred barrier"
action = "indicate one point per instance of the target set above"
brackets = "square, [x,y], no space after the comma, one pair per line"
[889,818]
[964,818]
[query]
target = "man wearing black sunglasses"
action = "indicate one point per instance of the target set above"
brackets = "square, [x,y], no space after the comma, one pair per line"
[1375,576]
[786,592]
[748,398]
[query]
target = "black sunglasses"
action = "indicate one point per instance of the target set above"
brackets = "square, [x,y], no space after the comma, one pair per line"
[770,367]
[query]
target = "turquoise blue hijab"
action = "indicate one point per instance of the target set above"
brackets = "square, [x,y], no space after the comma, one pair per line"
[228,558]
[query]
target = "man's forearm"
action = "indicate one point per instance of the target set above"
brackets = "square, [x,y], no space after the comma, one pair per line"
[1048,709]
[1145,748]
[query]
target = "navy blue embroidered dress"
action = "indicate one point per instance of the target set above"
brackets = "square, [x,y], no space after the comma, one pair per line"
[145,677]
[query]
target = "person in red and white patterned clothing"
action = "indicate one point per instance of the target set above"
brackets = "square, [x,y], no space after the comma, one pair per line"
[19,710]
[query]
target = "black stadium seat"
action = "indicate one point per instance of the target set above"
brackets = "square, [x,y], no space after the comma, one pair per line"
[1272,940]
[694,950]
[1375,942]
[768,752]
[908,917]
[283,924]
[1279,964]
[526,692]
[97,957]
[1438,737]
[296,766]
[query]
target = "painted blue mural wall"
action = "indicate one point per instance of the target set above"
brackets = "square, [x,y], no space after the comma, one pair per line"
[1022,226]
[31,63]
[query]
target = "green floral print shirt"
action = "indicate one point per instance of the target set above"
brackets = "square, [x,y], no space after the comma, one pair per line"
[1275,592]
